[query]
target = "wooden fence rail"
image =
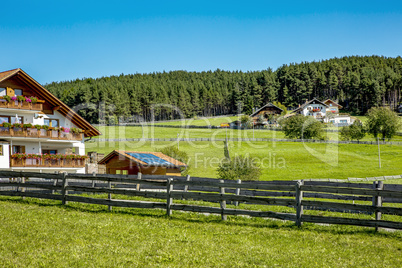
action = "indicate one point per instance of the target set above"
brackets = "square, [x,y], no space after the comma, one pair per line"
[297,195]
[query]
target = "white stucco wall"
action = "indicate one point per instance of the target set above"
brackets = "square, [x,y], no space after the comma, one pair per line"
[314,106]
[5,158]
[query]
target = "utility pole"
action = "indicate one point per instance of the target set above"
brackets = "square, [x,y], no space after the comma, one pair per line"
[253,128]
[178,142]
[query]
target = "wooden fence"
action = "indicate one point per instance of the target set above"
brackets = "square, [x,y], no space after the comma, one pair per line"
[171,193]
[245,140]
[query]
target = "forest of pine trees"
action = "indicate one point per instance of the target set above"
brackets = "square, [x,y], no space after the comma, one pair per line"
[358,83]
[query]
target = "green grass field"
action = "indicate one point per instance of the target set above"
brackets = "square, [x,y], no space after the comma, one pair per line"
[201,121]
[38,233]
[42,233]
[281,160]
[148,132]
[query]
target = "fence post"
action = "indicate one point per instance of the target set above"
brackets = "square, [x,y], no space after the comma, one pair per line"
[236,203]
[64,191]
[169,200]
[23,188]
[223,202]
[109,186]
[186,186]
[137,187]
[93,181]
[377,200]
[54,184]
[299,207]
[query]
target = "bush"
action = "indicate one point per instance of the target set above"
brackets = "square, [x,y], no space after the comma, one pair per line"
[355,131]
[246,121]
[382,122]
[241,167]
[280,105]
[175,153]
[302,127]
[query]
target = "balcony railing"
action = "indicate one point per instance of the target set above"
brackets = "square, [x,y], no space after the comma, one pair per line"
[21,105]
[57,163]
[39,133]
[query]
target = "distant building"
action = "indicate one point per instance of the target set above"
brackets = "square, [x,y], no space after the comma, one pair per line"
[266,115]
[148,163]
[326,111]
[333,107]
[314,108]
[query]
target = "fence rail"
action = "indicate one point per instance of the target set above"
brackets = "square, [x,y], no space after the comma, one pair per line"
[170,194]
[247,139]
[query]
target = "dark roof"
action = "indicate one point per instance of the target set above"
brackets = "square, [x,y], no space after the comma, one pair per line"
[313,101]
[265,106]
[145,158]
[80,122]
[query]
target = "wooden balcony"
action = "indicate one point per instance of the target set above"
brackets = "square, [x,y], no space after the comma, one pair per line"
[21,105]
[41,133]
[55,163]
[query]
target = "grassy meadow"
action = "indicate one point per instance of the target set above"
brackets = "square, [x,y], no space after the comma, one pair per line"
[43,233]
[279,160]
[38,233]
[201,121]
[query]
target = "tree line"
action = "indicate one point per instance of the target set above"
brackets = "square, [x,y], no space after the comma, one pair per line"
[357,83]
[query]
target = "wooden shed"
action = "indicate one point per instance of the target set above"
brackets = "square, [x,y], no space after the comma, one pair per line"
[147,163]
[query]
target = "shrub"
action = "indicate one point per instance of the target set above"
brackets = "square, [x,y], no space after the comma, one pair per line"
[302,127]
[175,153]
[280,105]
[246,121]
[241,167]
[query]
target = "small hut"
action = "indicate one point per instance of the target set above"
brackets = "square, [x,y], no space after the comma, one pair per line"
[147,163]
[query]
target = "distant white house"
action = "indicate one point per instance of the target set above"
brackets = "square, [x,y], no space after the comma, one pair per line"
[314,108]
[325,111]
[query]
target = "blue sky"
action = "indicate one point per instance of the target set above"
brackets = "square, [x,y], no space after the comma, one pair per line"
[65,40]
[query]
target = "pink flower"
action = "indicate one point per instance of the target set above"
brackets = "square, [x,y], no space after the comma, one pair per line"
[66,129]
[27,99]
[14,98]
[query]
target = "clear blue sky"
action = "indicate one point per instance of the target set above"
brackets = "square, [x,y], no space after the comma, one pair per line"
[64,40]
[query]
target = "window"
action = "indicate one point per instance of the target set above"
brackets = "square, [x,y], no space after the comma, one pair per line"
[49,151]
[3,91]
[18,92]
[344,121]
[4,119]
[18,149]
[11,119]
[52,122]
[14,119]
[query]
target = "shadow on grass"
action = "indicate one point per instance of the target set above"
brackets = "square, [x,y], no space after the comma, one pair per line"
[200,218]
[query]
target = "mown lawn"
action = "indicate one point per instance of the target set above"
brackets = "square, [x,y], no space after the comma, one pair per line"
[281,160]
[38,233]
